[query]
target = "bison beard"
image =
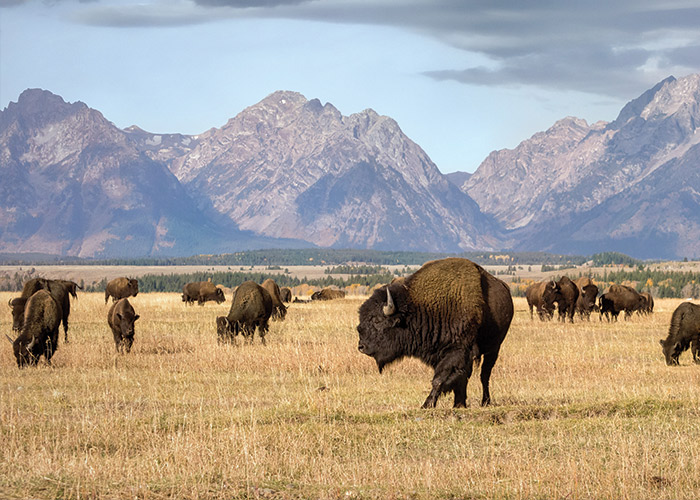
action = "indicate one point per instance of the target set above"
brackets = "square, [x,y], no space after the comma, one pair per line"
[448,314]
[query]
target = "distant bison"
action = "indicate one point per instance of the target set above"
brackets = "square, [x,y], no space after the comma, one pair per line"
[202,291]
[620,298]
[121,288]
[448,314]
[328,294]
[286,294]
[279,310]
[121,318]
[61,290]
[587,296]
[648,303]
[39,334]
[251,307]
[683,332]
[566,297]
[540,297]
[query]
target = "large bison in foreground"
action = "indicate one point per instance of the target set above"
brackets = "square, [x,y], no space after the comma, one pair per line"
[202,291]
[448,314]
[121,288]
[683,332]
[121,318]
[251,307]
[39,335]
[61,290]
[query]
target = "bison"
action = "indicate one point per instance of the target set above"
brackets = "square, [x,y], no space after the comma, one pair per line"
[541,297]
[566,297]
[121,288]
[286,294]
[449,314]
[202,291]
[39,334]
[279,310]
[121,318]
[328,294]
[587,296]
[648,305]
[61,290]
[684,331]
[620,298]
[251,307]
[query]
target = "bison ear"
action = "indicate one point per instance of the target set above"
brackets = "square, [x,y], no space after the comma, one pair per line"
[389,309]
[136,317]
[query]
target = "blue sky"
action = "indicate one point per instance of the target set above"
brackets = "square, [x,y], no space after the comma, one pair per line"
[462,78]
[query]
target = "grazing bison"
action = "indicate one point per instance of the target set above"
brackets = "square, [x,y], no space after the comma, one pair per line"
[121,288]
[202,291]
[286,294]
[61,290]
[328,294]
[566,297]
[121,318]
[279,310]
[39,334]
[541,297]
[251,307]
[684,331]
[620,298]
[448,314]
[587,296]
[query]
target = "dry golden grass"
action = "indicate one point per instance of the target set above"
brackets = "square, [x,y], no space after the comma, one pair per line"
[588,410]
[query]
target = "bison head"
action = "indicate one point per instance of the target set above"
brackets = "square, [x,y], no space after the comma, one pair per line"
[17,305]
[126,325]
[219,296]
[382,325]
[134,286]
[672,350]
[26,353]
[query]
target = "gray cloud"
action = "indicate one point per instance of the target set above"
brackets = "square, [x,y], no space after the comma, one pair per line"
[609,48]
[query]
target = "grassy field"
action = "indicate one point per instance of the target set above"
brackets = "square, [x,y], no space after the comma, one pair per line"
[588,410]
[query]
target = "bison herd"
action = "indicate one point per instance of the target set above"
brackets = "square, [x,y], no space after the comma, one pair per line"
[451,314]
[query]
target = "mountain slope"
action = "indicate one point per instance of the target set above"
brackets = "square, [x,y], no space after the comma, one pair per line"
[74,184]
[289,167]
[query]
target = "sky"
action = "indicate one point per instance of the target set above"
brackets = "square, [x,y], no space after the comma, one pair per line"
[461,78]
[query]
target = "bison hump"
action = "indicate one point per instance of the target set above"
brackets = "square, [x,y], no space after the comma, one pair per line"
[448,286]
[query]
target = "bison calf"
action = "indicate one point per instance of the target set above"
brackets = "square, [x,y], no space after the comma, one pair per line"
[448,314]
[121,318]
[683,332]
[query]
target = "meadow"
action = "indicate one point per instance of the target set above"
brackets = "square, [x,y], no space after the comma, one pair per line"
[587,410]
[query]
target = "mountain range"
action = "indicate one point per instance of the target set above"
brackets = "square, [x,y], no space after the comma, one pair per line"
[290,172]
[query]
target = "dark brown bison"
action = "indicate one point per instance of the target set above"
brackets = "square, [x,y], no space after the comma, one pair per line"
[202,291]
[648,304]
[61,290]
[541,297]
[39,334]
[683,332]
[121,288]
[328,294]
[566,297]
[587,297]
[620,298]
[286,294]
[121,318]
[448,314]
[251,307]
[279,310]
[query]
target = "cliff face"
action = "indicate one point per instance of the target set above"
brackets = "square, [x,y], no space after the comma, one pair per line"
[289,167]
[630,185]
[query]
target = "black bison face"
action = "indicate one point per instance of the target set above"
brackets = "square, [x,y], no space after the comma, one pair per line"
[134,287]
[126,325]
[381,329]
[672,351]
[220,296]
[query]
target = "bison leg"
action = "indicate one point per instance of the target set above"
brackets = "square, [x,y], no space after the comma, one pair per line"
[489,361]
[451,374]
[695,349]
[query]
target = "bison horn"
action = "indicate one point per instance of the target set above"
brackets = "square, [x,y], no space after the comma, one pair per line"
[9,303]
[8,338]
[389,309]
